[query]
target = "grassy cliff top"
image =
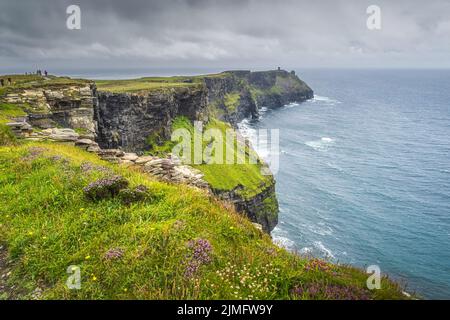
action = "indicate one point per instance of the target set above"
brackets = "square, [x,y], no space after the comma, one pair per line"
[35,81]
[178,244]
[152,83]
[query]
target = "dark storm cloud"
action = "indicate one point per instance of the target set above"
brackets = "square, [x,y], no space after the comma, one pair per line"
[225,33]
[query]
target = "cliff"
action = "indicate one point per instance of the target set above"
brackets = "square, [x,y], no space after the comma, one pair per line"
[240,94]
[138,116]
[129,120]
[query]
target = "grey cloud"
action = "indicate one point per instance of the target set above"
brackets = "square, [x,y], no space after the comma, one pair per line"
[225,33]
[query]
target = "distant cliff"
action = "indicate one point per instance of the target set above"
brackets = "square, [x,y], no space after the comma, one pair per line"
[126,119]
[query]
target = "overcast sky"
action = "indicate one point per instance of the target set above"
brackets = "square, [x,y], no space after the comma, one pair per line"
[223,34]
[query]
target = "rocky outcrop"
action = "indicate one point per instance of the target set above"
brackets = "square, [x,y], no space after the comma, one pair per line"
[168,169]
[51,106]
[129,121]
[276,88]
[261,208]
[253,90]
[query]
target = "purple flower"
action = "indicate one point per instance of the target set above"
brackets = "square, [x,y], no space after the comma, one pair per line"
[114,253]
[200,254]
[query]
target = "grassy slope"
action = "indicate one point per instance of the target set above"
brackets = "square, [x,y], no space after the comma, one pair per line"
[47,225]
[223,176]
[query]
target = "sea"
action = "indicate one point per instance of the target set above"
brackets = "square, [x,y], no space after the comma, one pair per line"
[364,173]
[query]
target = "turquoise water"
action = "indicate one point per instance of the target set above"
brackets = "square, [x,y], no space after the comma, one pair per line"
[365,173]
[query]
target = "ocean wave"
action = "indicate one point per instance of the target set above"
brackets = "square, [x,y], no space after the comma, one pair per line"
[324,230]
[284,242]
[325,100]
[262,111]
[291,105]
[306,250]
[324,250]
[320,145]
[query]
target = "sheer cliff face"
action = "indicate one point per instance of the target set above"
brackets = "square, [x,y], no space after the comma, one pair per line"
[221,90]
[127,120]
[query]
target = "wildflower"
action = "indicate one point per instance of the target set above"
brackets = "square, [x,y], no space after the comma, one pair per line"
[200,255]
[114,253]
[94,278]
[30,233]
[87,257]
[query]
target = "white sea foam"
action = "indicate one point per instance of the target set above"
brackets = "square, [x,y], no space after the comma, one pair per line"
[325,100]
[284,242]
[320,145]
[262,111]
[306,250]
[327,252]
[321,230]
[291,105]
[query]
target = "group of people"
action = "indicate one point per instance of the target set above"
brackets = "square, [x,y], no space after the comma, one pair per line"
[9,82]
[38,72]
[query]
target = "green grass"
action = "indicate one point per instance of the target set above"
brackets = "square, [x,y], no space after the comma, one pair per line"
[222,177]
[8,111]
[130,86]
[152,83]
[35,81]
[46,225]
[231,101]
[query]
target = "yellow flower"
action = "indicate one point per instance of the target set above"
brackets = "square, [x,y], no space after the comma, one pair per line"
[81,209]
[44,237]
[94,278]
[87,257]
[30,233]
[125,289]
